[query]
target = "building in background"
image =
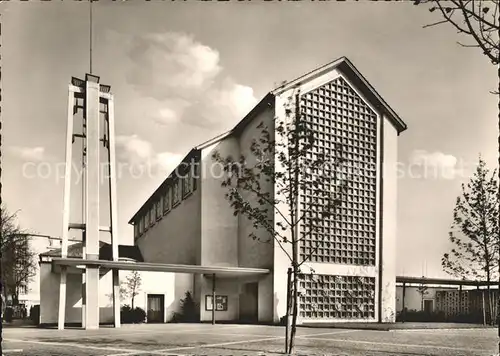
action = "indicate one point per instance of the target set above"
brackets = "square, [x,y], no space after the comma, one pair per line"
[29,294]
[187,220]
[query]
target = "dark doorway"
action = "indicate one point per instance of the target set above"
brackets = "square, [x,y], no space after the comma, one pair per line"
[249,303]
[428,306]
[156,308]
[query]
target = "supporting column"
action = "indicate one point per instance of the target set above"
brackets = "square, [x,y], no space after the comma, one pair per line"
[62,299]
[84,292]
[213,299]
[66,209]
[403,311]
[116,298]
[460,299]
[113,206]
[92,201]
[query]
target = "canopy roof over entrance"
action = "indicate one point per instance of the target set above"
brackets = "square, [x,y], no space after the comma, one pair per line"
[219,271]
[443,281]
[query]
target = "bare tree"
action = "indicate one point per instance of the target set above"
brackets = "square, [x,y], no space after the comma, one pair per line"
[477,19]
[422,290]
[267,188]
[133,284]
[475,230]
[18,259]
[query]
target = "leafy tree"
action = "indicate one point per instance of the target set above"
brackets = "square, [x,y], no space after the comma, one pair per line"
[133,284]
[264,187]
[475,230]
[18,262]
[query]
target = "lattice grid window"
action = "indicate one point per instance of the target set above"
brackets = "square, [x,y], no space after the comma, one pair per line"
[341,297]
[343,125]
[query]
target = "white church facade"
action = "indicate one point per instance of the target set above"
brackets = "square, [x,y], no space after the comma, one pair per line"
[187,233]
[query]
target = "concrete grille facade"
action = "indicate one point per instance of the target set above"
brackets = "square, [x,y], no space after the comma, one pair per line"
[338,115]
[337,297]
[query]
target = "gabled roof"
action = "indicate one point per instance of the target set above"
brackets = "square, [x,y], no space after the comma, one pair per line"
[345,66]
[342,64]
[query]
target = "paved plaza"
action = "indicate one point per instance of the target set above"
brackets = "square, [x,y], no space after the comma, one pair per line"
[204,339]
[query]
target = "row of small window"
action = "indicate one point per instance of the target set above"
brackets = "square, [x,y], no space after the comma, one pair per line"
[362,183]
[328,159]
[357,192]
[327,191]
[340,116]
[333,98]
[329,104]
[362,194]
[361,198]
[327,149]
[336,123]
[341,130]
[337,88]
[338,239]
[336,103]
[172,196]
[333,91]
[340,293]
[331,252]
[343,136]
[336,243]
[348,222]
[337,235]
[368,233]
[367,209]
[353,261]
[336,315]
[357,217]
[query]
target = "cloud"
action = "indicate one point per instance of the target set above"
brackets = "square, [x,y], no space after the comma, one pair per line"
[181,79]
[29,153]
[169,111]
[140,154]
[437,164]
[171,63]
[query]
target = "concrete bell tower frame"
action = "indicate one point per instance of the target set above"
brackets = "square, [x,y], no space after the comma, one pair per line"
[97,104]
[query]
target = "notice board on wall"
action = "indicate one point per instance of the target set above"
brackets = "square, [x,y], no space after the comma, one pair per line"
[220,302]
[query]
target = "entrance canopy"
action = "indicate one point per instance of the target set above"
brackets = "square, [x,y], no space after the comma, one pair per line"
[443,281]
[219,271]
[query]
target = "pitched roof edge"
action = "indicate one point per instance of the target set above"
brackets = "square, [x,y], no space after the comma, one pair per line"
[347,68]
[186,157]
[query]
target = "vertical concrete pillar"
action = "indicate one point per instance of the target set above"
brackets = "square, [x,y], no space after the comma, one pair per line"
[387,221]
[213,299]
[403,311]
[62,299]
[460,299]
[113,206]
[66,209]
[92,201]
[84,299]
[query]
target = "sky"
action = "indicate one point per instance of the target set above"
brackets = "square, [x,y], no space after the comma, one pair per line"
[183,72]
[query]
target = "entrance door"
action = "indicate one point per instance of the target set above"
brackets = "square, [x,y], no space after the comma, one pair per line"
[156,308]
[428,305]
[249,303]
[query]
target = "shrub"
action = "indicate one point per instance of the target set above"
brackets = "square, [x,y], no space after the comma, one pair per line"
[35,314]
[189,311]
[9,314]
[132,316]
